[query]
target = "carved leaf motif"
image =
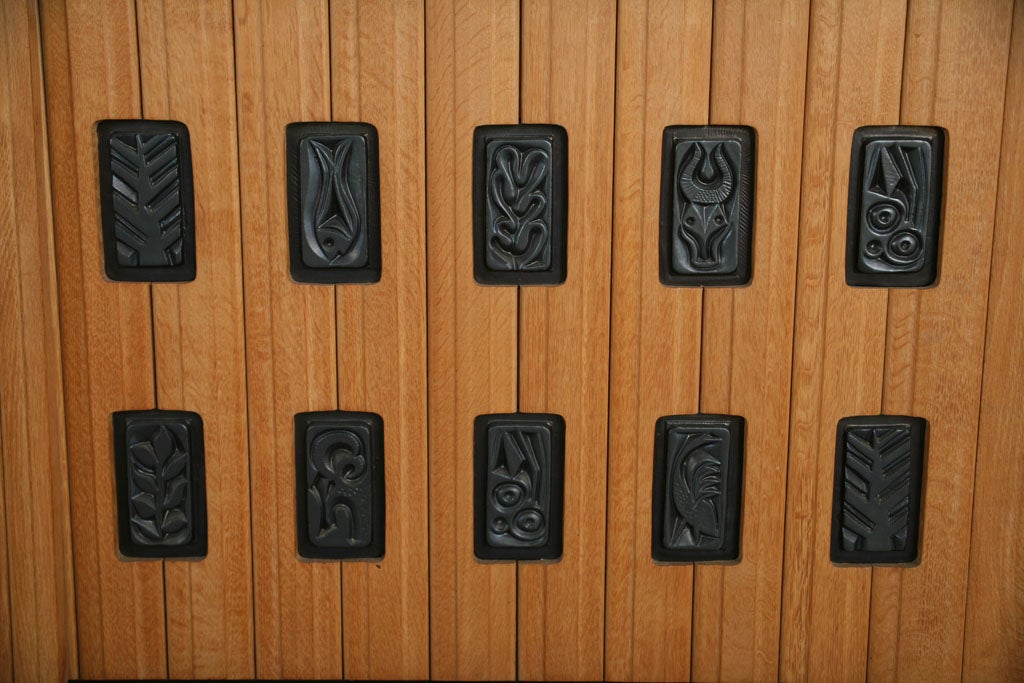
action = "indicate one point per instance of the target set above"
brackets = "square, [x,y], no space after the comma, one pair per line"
[877,489]
[160,487]
[519,235]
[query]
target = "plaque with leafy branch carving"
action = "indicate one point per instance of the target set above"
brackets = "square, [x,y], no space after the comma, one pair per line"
[161,491]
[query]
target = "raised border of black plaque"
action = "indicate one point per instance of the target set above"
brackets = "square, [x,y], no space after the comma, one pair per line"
[186,270]
[558,139]
[179,422]
[929,233]
[551,549]
[740,236]
[372,427]
[370,271]
[917,430]
[732,488]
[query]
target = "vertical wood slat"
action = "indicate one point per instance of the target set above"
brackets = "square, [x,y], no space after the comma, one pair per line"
[377,77]
[472,78]
[568,78]
[187,68]
[994,628]
[283,75]
[92,73]
[758,77]
[935,339]
[35,640]
[855,61]
[655,345]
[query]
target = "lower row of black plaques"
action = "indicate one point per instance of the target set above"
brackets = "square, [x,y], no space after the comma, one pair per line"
[519,473]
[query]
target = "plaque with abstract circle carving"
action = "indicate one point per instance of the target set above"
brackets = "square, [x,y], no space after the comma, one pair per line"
[520,181]
[697,483]
[707,205]
[160,479]
[876,504]
[334,202]
[146,201]
[339,459]
[519,468]
[895,206]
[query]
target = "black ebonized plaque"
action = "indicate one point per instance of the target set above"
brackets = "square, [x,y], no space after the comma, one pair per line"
[161,486]
[333,202]
[146,201]
[697,488]
[895,206]
[520,204]
[518,486]
[339,462]
[876,504]
[707,205]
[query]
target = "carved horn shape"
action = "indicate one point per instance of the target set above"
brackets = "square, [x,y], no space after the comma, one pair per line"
[712,191]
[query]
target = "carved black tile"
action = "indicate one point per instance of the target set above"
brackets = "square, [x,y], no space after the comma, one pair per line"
[161,485]
[876,501]
[146,201]
[697,487]
[895,206]
[520,204]
[333,202]
[518,486]
[339,460]
[707,205]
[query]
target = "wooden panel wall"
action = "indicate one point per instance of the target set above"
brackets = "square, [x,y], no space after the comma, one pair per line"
[429,349]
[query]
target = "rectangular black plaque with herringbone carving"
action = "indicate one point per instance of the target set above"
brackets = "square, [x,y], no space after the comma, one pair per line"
[146,201]
[876,504]
[161,486]
[697,486]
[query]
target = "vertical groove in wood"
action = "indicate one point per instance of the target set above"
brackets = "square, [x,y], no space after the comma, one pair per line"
[472,78]
[855,64]
[568,78]
[282,70]
[759,64]
[655,344]
[377,67]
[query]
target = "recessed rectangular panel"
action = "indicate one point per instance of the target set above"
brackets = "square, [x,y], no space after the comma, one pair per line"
[697,485]
[333,202]
[161,486]
[707,205]
[339,460]
[520,182]
[876,505]
[519,469]
[146,201]
[895,206]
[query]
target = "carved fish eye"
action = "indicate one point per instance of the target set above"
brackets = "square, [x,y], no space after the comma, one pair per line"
[329,242]
[689,220]
[719,220]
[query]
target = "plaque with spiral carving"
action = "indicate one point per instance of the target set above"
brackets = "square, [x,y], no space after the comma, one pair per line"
[697,483]
[339,459]
[520,181]
[707,205]
[334,202]
[161,489]
[895,205]
[876,505]
[146,201]
[519,468]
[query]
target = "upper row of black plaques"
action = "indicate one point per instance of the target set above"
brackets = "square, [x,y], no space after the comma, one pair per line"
[520,204]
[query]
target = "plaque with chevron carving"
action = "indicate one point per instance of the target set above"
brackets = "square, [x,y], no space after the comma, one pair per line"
[146,201]
[876,505]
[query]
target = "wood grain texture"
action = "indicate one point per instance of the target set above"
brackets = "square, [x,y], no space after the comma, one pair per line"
[855,63]
[758,75]
[655,343]
[994,629]
[283,75]
[568,78]
[472,79]
[187,69]
[92,73]
[377,76]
